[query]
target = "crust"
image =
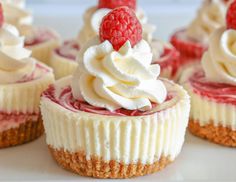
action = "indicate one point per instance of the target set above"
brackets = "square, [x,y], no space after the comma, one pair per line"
[26,132]
[220,135]
[97,168]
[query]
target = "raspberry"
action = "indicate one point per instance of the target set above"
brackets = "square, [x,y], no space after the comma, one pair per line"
[231,16]
[119,26]
[112,4]
[1,16]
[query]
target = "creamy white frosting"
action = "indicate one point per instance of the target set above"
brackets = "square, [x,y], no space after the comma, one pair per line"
[210,17]
[16,14]
[118,79]
[93,17]
[219,62]
[15,61]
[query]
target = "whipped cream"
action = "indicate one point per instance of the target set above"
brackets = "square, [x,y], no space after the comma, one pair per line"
[210,17]
[219,62]
[16,14]
[15,62]
[92,20]
[118,79]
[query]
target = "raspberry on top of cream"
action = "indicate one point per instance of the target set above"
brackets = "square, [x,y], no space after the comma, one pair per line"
[219,62]
[16,14]
[210,17]
[93,17]
[115,71]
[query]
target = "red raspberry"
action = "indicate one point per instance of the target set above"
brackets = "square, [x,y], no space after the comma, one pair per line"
[112,4]
[1,16]
[231,16]
[119,26]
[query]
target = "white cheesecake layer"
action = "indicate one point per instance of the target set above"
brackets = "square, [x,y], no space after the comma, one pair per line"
[125,139]
[62,66]
[25,97]
[43,51]
[207,111]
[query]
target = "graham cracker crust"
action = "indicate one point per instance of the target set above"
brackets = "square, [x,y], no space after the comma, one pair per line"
[219,135]
[26,132]
[97,168]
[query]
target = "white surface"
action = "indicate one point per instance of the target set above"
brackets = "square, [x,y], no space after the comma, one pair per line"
[199,160]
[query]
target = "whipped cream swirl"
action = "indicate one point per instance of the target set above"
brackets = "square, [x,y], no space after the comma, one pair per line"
[92,20]
[118,79]
[219,62]
[16,14]
[15,62]
[210,17]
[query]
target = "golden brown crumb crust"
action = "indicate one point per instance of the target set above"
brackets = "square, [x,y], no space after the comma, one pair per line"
[220,135]
[26,132]
[97,168]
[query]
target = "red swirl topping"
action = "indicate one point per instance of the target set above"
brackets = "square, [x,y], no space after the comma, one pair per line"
[67,101]
[40,35]
[187,46]
[169,58]
[222,93]
[68,50]
[39,71]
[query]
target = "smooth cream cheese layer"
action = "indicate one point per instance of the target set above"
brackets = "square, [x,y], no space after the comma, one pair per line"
[25,97]
[62,66]
[43,51]
[207,111]
[142,139]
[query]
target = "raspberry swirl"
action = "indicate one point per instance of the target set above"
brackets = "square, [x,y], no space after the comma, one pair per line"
[169,58]
[39,35]
[219,92]
[68,50]
[61,94]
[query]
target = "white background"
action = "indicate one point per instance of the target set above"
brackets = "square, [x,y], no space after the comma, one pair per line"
[166,14]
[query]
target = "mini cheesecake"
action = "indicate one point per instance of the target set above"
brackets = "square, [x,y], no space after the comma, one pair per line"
[63,59]
[95,142]
[42,41]
[20,118]
[212,87]
[213,113]
[193,41]
[114,118]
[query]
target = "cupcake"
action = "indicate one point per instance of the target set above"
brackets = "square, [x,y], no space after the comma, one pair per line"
[212,87]
[41,40]
[193,41]
[22,80]
[63,59]
[163,53]
[112,118]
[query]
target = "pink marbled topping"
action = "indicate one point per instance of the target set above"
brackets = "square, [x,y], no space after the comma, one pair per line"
[219,92]
[169,58]
[67,101]
[40,35]
[40,70]
[68,50]
[13,120]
